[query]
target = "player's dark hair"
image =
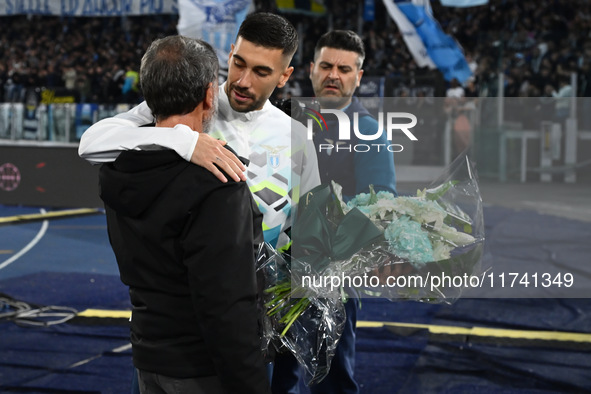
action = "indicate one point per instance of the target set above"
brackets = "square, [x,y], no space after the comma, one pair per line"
[270,31]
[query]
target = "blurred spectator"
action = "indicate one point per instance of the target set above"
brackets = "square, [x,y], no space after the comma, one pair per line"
[471,90]
[130,90]
[520,41]
[563,101]
[455,92]
[3,78]
[533,42]
[74,52]
[535,59]
[69,76]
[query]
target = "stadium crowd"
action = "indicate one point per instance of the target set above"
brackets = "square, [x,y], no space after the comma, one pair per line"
[537,44]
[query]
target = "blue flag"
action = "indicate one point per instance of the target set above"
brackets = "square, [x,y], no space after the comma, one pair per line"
[442,49]
[369,11]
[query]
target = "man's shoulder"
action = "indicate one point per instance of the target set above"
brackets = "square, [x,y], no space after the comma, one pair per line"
[136,159]
[276,114]
[195,185]
[283,123]
[357,106]
[167,161]
[203,181]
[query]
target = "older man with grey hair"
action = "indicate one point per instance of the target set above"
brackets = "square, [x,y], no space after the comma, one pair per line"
[185,242]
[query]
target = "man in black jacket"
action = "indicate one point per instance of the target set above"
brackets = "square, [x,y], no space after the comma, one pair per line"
[185,242]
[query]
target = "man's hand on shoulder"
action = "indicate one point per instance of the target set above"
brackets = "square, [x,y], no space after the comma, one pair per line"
[211,154]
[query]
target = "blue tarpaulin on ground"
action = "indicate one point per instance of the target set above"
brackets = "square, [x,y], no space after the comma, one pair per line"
[73,266]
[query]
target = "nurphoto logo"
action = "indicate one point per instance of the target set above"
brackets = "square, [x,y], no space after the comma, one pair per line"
[393,122]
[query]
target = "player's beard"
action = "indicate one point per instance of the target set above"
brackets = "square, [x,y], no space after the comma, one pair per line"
[255,104]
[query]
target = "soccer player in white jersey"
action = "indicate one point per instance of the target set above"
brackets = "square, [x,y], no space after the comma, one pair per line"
[283,163]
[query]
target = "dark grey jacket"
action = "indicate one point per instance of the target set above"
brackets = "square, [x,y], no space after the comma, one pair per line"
[185,242]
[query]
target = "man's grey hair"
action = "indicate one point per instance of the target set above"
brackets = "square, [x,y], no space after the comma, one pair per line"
[175,73]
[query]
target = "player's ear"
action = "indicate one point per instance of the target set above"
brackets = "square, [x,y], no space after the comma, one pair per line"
[231,53]
[285,77]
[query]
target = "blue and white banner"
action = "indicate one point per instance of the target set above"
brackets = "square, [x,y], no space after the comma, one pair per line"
[87,7]
[463,3]
[414,18]
[215,21]
[411,37]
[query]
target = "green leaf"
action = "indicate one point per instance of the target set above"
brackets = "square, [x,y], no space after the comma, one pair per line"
[436,193]
[373,197]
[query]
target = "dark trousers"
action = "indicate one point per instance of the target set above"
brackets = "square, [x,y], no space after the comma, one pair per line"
[152,383]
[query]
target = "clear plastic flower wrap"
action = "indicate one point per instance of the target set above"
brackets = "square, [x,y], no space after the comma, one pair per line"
[423,247]
[295,319]
[437,237]
[401,248]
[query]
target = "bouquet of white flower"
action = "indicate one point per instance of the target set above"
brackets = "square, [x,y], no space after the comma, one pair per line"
[439,231]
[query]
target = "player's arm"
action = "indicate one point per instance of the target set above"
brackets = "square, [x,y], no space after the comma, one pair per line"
[310,173]
[305,151]
[104,140]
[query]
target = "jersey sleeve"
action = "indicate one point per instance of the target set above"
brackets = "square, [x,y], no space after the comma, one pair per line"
[305,157]
[105,140]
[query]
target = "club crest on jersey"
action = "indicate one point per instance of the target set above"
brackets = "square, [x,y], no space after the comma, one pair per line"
[273,156]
